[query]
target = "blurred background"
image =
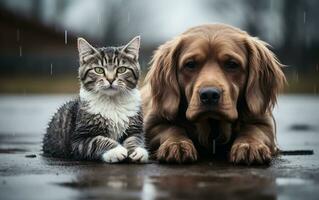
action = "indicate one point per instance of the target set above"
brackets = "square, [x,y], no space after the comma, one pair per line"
[38,37]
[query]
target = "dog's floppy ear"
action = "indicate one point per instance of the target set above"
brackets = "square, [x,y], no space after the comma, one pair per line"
[163,79]
[265,77]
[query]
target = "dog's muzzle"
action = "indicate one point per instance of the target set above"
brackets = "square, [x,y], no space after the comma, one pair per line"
[209,95]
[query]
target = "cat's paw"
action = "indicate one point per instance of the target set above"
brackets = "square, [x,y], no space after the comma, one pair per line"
[139,155]
[115,155]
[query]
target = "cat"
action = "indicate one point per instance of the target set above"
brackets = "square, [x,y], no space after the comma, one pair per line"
[105,122]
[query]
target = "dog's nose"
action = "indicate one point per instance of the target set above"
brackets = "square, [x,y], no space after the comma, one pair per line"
[209,95]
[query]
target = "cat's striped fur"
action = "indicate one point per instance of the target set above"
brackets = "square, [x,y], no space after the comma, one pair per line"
[105,122]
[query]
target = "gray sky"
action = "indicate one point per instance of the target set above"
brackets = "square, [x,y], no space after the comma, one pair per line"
[155,21]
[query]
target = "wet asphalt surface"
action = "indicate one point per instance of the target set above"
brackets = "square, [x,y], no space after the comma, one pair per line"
[26,174]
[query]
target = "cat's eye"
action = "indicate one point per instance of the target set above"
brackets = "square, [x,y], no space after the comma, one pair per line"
[99,70]
[121,70]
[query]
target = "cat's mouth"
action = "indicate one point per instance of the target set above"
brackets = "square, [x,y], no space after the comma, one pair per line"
[109,90]
[110,87]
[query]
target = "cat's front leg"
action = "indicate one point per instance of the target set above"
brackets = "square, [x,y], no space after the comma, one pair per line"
[98,148]
[134,142]
[139,154]
[117,154]
[136,149]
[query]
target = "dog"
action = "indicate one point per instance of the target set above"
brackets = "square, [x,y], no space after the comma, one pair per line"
[212,89]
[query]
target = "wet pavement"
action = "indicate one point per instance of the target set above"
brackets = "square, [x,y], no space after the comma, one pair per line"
[25,174]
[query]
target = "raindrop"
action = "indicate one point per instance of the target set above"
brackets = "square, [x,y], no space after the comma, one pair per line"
[317,67]
[99,19]
[18,35]
[128,17]
[65,36]
[51,69]
[214,147]
[20,51]
[304,17]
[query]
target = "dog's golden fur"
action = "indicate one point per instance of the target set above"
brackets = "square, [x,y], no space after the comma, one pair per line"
[178,126]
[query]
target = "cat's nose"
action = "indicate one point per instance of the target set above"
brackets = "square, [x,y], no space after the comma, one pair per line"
[110,81]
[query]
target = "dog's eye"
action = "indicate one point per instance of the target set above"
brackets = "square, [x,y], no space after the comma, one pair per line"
[190,64]
[231,65]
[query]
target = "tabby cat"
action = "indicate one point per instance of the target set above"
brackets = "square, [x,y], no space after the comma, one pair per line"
[105,122]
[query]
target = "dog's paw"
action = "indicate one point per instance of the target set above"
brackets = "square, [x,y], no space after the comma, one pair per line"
[139,155]
[177,152]
[250,153]
[117,154]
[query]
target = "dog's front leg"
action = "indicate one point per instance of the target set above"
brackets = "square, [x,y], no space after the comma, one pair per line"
[170,144]
[255,142]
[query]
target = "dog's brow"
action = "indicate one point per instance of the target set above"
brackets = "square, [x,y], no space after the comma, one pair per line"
[233,55]
[192,55]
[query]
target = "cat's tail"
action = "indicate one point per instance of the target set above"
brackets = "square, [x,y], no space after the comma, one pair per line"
[56,141]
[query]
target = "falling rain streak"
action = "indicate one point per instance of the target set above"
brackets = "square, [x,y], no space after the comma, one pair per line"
[99,19]
[20,51]
[214,147]
[51,69]
[304,17]
[65,36]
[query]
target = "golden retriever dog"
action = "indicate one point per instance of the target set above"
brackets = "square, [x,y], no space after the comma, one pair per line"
[211,90]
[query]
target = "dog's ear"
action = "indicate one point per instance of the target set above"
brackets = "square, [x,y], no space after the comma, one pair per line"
[265,77]
[163,79]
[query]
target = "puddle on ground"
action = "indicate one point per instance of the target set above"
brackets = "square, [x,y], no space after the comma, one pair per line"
[175,187]
[223,186]
[35,187]
[302,127]
[12,150]
[292,181]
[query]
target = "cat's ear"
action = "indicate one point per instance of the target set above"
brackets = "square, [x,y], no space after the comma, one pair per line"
[85,47]
[133,47]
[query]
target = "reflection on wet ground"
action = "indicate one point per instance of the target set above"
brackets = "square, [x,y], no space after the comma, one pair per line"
[26,174]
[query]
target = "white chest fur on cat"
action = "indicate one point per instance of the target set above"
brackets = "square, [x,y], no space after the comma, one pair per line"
[117,109]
